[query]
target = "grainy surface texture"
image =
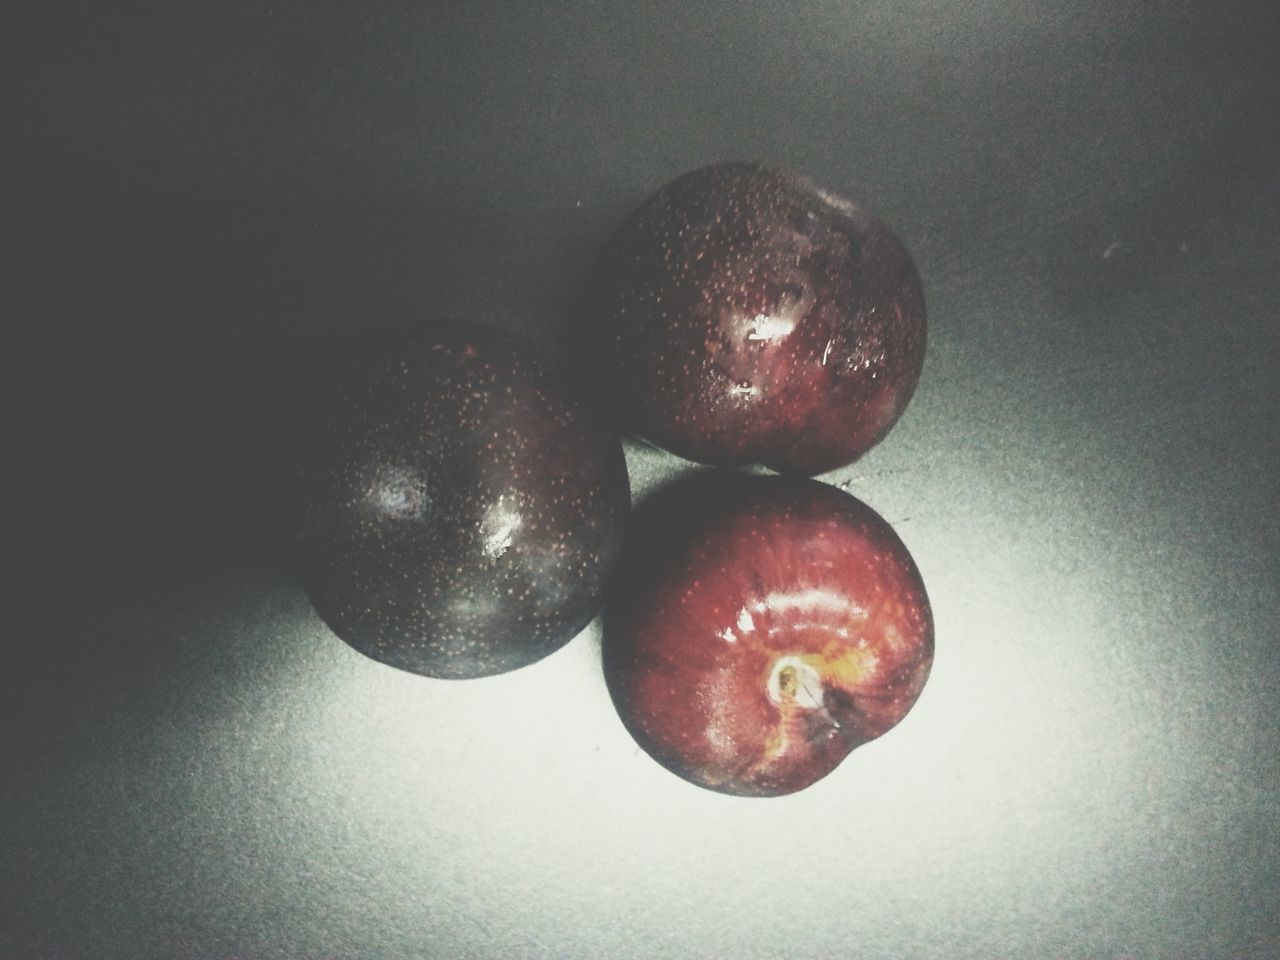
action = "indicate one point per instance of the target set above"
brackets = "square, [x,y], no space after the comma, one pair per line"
[204,203]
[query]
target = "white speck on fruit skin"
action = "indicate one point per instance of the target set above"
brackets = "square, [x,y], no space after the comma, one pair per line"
[844,205]
[765,327]
[501,521]
[814,600]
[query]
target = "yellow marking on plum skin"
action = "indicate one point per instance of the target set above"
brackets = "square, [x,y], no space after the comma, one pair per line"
[851,668]
[790,689]
[795,685]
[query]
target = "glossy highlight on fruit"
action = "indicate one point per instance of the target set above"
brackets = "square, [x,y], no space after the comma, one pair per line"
[458,504]
[750,317]
[760,628]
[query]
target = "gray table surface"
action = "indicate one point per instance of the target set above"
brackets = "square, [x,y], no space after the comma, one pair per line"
[207,198]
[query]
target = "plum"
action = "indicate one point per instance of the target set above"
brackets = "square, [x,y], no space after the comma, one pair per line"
[762,627]
[749,317]
[458,503]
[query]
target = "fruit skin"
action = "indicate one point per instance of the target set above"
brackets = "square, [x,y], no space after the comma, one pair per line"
[458,505]
[751,317]
[760,628]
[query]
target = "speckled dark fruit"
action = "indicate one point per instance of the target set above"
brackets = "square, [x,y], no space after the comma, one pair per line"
[458,504]
[762,628]
[751,317]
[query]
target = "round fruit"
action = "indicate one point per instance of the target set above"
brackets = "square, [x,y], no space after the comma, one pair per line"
[762,628]
[458,504]
[755,318]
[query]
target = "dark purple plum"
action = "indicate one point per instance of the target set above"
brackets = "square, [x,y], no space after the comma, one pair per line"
[458,503]
[750,317]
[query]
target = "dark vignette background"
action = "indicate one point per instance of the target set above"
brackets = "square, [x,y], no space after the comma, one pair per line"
[201,201]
